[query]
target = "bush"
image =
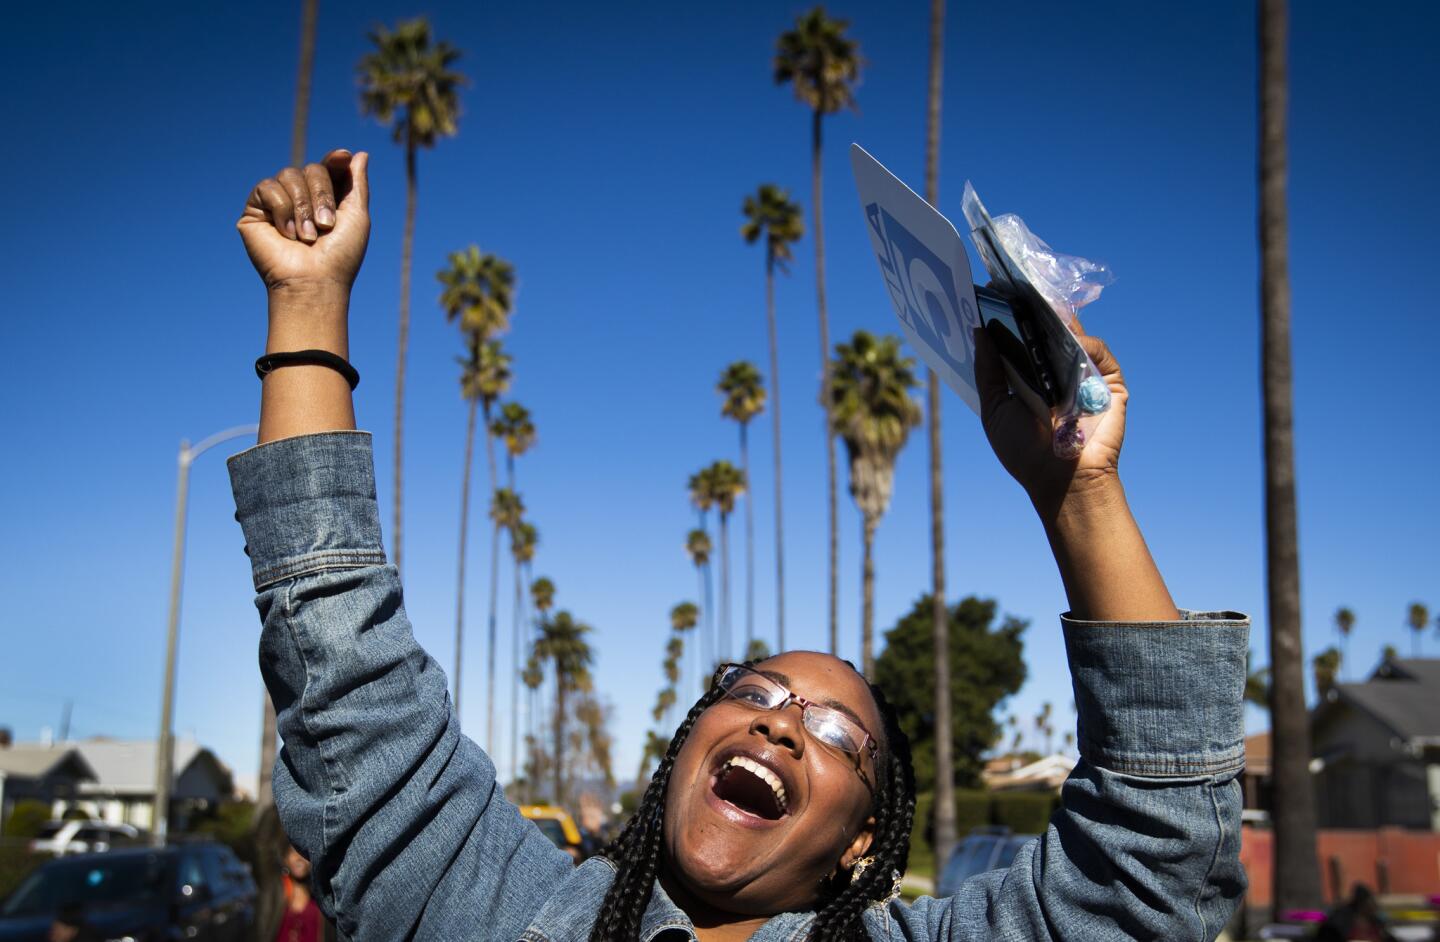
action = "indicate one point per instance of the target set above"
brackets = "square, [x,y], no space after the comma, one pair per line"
[1023,812]
[972,810]
[26,817]
[16,862]
[229,823]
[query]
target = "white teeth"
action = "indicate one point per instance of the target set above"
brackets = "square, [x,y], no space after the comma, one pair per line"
[764,774]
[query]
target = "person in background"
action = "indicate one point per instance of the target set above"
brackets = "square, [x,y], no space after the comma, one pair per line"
[1358,919]
[70,926]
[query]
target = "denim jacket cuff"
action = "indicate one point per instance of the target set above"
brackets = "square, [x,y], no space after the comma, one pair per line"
[1161,699]
[307,504]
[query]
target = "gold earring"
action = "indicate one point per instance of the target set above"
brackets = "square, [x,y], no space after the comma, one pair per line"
[858,870]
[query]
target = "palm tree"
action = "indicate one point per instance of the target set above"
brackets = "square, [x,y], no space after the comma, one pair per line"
[702,499]
[469,389]
[772,214]
[724,484]
[487,382]
[1043,727]
[1344,624]
[698,548]
[824,67]
[264,796]
[533,676]
[562,643]
[524,537]
[477,296]
[407,82]
[944,780]
[1326,666]
[1297,872]
[1417,616]
[683,619]
[756,650]
[872,410]
[516,431]
[743,391]
[656,745]
[542,597]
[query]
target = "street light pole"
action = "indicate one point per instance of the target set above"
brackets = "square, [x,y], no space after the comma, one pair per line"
[164,752]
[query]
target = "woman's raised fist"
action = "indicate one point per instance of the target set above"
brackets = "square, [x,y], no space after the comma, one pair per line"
[306,228]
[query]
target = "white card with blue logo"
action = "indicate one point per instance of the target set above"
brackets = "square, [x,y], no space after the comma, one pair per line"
[926,272]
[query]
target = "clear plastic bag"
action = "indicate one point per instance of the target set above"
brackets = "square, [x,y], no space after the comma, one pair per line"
[1044,289]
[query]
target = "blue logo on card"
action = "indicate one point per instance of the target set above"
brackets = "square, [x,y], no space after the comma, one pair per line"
[922,288]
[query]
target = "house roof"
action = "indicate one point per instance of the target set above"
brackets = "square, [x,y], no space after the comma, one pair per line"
[128,766]
[1424,669]
[1049,772]
[1403,695]
[40,761]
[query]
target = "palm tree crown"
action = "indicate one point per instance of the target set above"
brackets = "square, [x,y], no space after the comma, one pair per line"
[487,371]
[820,61]
[407,80]
[723,484]
[524,538]
[872,410]
[542,593]
[743,390]
[771,214]
[684,616]
[479,291]
[507,508]
[698,546]
[514,427]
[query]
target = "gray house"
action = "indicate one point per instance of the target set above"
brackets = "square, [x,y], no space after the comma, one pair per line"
[48,774]
[1377,749]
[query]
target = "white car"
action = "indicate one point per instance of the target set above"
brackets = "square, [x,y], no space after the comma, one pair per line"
[81,837]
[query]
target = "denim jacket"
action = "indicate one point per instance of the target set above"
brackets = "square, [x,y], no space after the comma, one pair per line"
[410,835]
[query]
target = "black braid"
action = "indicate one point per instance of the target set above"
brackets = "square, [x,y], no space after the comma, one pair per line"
[841,917]
[636,852]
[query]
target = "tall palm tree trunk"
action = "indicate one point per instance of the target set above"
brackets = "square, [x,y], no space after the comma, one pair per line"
[515,656]
[1297,869]
[494,594]
[464,536]
[559,737]
[402,345]
[724,652]
[749,538]
[775,431]
[515,643]
[825,382]
[944,764]
[264,794]
[867,603]
[700,643]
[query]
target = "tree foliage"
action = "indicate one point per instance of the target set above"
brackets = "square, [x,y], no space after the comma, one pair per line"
[986,666]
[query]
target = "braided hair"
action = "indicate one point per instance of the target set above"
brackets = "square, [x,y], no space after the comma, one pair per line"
[636,852]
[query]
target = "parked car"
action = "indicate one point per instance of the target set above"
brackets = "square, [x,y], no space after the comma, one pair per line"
[555,823]
[987,848]
[195,891]
[81,837]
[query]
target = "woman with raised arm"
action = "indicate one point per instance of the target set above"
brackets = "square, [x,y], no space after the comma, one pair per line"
[784,806]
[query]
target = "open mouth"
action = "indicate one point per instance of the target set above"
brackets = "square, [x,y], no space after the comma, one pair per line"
[750,787]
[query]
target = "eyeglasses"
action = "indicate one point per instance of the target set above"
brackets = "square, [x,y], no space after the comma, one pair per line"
[826,724]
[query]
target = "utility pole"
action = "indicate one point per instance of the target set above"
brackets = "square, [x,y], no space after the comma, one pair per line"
[165,744]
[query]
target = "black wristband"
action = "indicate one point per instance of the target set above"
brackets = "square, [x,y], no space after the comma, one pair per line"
[273,361]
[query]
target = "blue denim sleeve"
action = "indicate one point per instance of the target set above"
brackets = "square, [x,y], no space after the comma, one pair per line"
[406,828]
[1146,844]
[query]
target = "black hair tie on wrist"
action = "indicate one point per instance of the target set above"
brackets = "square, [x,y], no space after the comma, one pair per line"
[273,361]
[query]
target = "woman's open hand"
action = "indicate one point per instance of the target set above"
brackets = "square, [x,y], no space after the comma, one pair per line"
[1022,440]
[306,228]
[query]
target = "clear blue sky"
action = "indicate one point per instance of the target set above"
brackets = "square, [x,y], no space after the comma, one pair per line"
[605,150]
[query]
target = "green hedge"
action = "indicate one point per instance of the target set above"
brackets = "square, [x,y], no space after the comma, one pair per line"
[16,862]
[26,817]
[1021,812]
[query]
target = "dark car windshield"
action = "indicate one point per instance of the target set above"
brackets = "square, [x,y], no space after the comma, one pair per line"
[552,829]
[98,881]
